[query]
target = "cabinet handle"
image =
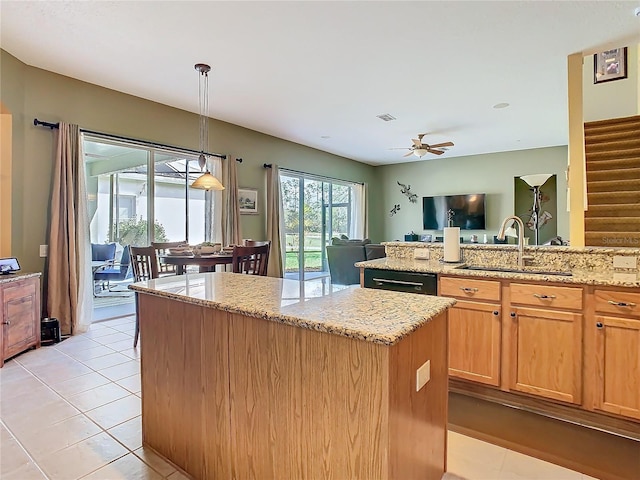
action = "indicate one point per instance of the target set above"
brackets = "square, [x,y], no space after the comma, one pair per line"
[622,304]
[544,297]
[468,289]
[6,322]
[496,313]
[513,315]
[599,325]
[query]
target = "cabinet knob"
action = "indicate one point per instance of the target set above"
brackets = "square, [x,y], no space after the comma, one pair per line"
[513,314]
[599,325]
[6,322]
[496,312]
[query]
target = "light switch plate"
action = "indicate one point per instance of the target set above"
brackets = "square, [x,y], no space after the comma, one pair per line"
[421,253]
[44,250]
[423,375]
[625,261]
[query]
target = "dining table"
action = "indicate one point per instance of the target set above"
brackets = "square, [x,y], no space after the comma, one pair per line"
[206,263]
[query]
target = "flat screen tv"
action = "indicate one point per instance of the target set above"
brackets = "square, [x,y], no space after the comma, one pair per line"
[468,211]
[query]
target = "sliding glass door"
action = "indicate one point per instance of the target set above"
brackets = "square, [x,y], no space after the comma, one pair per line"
[315,210]
[140,194]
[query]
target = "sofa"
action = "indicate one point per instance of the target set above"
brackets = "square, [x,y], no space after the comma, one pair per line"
[343,253]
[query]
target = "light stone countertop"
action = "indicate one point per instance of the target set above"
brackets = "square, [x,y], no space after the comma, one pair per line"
[13,277]
[377,316]
[581,277]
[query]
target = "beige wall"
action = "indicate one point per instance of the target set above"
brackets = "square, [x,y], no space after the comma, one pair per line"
[614,99]
[34,93]
[492,174]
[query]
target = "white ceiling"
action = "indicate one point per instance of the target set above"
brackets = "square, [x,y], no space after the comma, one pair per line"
[301,70]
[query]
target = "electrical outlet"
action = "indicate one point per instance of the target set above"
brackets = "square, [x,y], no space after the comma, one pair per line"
[423,375]
[44,250]
[421,253]
[625,261]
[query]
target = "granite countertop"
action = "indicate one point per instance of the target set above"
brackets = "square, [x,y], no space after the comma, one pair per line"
[13,277]
[581,277]
[377,316]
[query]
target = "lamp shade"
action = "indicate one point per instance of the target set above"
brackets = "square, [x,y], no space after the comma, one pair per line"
[207,181]
[537,179]
[419,152]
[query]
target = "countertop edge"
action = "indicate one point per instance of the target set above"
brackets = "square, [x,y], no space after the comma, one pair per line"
[437,306]
[14,277]
[421,266]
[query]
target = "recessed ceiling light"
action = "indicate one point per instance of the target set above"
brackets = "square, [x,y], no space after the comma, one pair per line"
[501,105]
[387,117]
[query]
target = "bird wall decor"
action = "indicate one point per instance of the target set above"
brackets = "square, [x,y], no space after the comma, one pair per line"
[406,190]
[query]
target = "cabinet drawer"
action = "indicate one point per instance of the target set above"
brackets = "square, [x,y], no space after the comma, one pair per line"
[546,296]
[617,302]
[470,288]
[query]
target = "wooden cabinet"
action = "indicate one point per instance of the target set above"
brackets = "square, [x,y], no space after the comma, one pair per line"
[474,329]
[546,341]
[616,327]
[20,316]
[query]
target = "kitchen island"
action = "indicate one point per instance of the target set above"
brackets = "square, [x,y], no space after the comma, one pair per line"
[255,377]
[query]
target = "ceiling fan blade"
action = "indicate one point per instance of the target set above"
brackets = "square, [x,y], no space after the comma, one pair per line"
[437,152]
[400,148]
[445,144]
[416,142]
[407,154]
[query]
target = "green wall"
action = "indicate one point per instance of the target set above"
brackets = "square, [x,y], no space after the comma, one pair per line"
[492,174]
[30,93]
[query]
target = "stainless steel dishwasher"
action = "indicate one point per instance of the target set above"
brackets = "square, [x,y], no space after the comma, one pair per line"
[410,282]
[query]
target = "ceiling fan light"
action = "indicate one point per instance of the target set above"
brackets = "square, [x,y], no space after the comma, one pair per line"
[207,181]
[420,152]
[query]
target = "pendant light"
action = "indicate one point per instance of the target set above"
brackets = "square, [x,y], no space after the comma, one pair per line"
[206,181]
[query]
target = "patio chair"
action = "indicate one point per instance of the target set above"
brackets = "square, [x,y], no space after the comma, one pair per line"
[114,272]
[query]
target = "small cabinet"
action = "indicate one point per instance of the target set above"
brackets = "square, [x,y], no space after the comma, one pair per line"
[20,316]
[546,341]
[474,329]
[617,343]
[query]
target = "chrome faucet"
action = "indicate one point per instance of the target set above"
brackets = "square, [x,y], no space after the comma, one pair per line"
[501,235]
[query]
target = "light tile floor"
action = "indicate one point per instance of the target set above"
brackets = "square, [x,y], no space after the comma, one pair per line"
[72,411]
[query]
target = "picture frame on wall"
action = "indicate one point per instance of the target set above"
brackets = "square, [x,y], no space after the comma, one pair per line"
[248,200]
[610,65]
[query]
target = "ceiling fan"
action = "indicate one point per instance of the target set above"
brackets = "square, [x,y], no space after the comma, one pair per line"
[420,149]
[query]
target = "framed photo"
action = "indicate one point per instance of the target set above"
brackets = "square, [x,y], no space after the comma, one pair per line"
[248,200]
[610,65]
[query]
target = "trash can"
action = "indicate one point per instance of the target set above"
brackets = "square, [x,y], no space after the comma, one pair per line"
[49,331]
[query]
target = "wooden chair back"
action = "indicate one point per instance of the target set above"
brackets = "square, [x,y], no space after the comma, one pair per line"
[144,263]
[251,260]
[162,248]
[255,243]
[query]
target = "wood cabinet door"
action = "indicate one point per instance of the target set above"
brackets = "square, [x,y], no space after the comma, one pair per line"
[20,310]
[546,353]
[618,365]
[474,342]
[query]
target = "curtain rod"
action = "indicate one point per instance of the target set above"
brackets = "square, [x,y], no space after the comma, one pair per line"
[50,125]
[298,172]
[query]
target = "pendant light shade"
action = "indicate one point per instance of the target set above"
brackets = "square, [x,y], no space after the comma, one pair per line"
[206,181]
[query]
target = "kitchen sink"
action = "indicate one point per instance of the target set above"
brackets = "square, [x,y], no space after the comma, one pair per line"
[514,270]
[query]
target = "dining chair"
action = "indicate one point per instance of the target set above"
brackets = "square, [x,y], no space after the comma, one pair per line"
[251,260]
[162,248]
[145,267]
